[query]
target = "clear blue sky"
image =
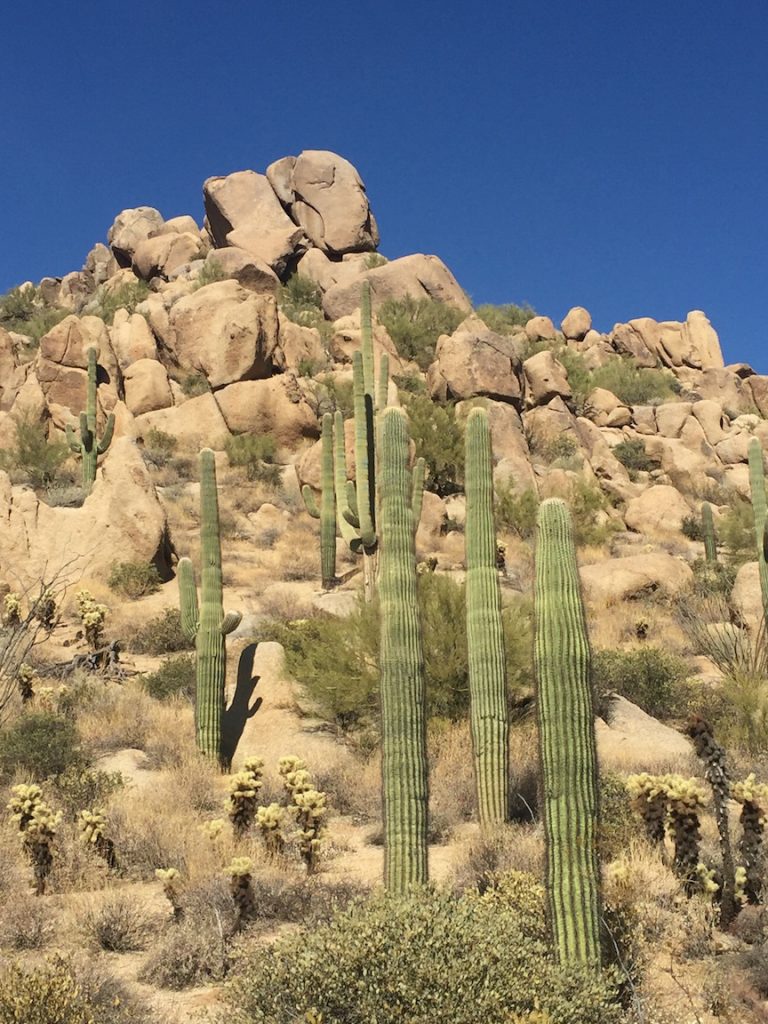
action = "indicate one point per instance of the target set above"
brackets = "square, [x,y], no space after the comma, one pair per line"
[611,155]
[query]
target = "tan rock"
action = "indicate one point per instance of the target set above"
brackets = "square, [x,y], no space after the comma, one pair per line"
[545,424]
[623,579]
[131,338]
[129,228]
[704,344]
[659,510]
[100,263]
[737,478]
[63,358]
[712,419]
[634,741]
[75,290]
[746,598]
[278,406]
[326,273]
[242,209]
[722,386]
[417,275]
[576,322]
[146,387]
[181,225]
[545,379]
[197,422]
[540,327]
[327,198]
[644,419]
[308,464]
[686,467]
[638,340]
[299,348]
[734,448]
[224,331]
[347,339]
[160,255]
[606,467]
[671,416]
[758,388]
[249,271]
[474,361]
[121,520]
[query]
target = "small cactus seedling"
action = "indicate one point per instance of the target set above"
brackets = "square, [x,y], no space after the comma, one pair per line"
[93,832]
[172,890]
[87,445]
[270,821]
[310,815]
[240,883]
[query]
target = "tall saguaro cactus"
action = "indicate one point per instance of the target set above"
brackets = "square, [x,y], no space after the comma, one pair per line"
[485,635]
[757,490]
[403,692]
[87,445]
[708,529]
[207,624]
[567,740]
[327,511]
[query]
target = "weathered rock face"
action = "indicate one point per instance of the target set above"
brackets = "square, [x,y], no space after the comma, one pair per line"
[129,229]
[131,338]
[417,276]
[621,579]
[224,331]
[147,387]
[62,362]
[605,410]
[326,273]
[242,209]
[327,198]
[576,323]
[121,520]
[279,406]
[545,379]
[248,270]
[633,740]
[160,255]
[347,339]
[540,327]
[198,422]
[746,598]
[474,361]
[693,343]
[657,511]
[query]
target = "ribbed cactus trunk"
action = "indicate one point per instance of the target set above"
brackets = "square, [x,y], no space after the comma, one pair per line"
[485,635]
[211,625]
[708,529]
[87,446]
[327,511]
[757,490]
[403,692]
[567,741]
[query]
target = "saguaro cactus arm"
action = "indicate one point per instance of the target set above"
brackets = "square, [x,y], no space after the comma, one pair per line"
[567,740]
[708,529]
[190,615]
[418,475]
[757,490]
[87,445]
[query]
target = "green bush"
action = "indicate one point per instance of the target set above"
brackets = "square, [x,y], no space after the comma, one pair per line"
[134,579]
[336,659]
[632,455]
[195,384]
[619,825]
[416,960]
[574,364]
[255,453]
[159,447]
[161,635]
[736,530]
[23,311]
[209,273]
[41,745]
[375,259]
[439,439]
[414,325]
[505,318]
[126,296]
[302,302]
[561,448]
[79,788]
[635,386]
[340,396]
[36,458]
[649,677]
[175,677]
[517,512]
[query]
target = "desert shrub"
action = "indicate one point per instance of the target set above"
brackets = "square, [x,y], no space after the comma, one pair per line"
[439,439]
[301,301]
[632,455]
[63,494]
[159,447]
[110,1001]
[42,994]
[161,635]
[126,296]
[186,955]
[340,396]
[116,925]
[41,745]
[175,677]
[78,788]
[255,453]
[25,924]
[619,825]
[578,373]
[467,960]
[410,383]
[336,659]
[711,579]
[195,384]
[516,512]
[133,579]
[649,677]
[505,318]
[414,325]
[588,504]
[375,259]
[736,529]
[561,448]
[23,311]
[33,456]
[209,273]
[691,527]
[633,385]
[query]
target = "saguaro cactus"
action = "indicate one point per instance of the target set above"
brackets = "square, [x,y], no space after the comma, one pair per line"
[485,636]
[708,529]
[327,511]
[567,741]
[403,695]
[87,445]
[757,490]
[208,626]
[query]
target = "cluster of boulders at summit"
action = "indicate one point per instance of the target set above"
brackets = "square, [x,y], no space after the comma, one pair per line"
[310,216]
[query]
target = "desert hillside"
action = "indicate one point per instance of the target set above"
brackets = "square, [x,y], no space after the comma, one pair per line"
[144,881]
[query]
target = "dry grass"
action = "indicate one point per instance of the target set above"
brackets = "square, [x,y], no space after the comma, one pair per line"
[116,923]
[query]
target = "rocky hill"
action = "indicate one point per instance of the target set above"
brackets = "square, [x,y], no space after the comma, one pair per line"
[239,336]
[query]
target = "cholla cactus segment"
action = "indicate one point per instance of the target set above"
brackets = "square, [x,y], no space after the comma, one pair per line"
[239,871]
[649,799]
[290,763]
[39,836]
[26,677]
[753,797]
[270,820]
[298,782]
[23,803]
[741,884]
[753,792]
[213,829]
[311,812]
[45,609]
[243,796]
[172,889]
[255,765]
[92,616]
[93,831]
[11,609]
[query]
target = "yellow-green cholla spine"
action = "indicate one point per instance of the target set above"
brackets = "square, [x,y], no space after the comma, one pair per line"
[567,741]
[403,693]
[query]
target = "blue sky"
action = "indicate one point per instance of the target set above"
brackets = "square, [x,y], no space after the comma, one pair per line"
[611,155]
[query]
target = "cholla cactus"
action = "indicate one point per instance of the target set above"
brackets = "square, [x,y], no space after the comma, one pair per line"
[37,825]
[310,815]
[213,829]
[25,677]
[296,778]
[270,821]
[92,616]
[11,610]
[753,798]
[244,789]
[93,832]
[44,609]
[239,872]
[649,799]
[171,880]
[23,804]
